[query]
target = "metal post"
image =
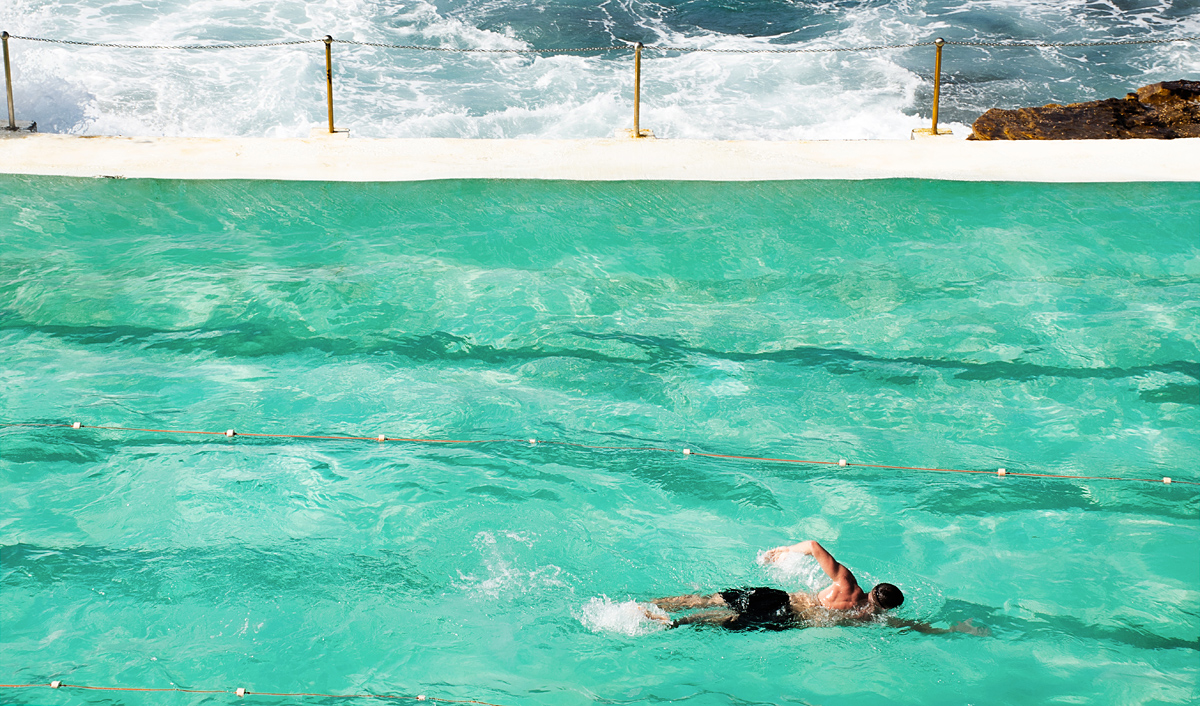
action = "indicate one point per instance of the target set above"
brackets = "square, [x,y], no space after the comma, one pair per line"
[329,78]
[12,115]
[637,89]
[937,80]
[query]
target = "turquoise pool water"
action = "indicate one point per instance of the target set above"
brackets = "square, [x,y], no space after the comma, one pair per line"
[1044,328]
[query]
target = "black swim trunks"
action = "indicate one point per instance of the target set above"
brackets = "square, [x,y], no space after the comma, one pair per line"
[759,609]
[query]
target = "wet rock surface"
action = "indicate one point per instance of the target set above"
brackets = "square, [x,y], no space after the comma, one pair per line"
[1165,110]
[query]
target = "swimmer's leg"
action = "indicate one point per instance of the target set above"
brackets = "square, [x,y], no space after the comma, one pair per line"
[721,616]
[692,600]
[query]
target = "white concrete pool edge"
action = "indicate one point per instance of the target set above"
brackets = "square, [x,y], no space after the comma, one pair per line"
[337,158]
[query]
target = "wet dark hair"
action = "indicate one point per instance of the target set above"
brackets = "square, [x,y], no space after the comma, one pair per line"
[887,596]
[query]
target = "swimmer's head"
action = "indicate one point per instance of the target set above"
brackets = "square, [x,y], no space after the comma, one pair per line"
[885,596]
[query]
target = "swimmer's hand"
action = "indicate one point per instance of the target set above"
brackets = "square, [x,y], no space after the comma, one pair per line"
[773,555]
[966,627]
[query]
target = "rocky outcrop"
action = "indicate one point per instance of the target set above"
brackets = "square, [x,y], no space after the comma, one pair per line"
[1161,111]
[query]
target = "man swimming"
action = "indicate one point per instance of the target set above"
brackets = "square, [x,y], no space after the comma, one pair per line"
[843,603]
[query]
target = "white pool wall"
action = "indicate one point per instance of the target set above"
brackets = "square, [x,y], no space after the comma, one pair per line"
[342,158]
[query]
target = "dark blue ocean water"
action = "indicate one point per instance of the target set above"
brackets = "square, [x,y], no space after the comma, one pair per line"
[389,92]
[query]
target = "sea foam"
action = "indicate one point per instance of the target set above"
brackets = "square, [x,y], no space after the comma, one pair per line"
[388,92]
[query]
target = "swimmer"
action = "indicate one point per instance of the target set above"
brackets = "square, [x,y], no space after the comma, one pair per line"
[843,603]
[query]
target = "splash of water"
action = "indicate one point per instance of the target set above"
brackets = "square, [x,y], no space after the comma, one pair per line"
[504,572]
[793,568]
[602,614]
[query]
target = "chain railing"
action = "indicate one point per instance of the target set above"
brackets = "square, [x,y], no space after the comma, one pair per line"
[636,47]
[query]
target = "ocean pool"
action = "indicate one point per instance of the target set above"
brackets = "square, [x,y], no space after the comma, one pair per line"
[1040,328]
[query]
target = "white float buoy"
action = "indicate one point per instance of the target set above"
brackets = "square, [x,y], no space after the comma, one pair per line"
[230,432]
[241,691]
[76,425]
[841,461]
[382,437]
[687,452]
[1001,472]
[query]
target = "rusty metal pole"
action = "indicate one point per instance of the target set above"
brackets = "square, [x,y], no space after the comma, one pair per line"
[937,80]
[12,115]
[637,89]
[329,78]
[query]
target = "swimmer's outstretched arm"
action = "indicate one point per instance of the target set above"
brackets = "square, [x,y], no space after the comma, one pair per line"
[837,573]
[927,629]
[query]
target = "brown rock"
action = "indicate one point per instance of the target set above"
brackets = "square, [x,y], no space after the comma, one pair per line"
[1162,111]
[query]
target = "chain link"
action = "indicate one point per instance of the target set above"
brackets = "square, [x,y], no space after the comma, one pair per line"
[479,51]
[787,51]
[168,46]
[627,47]
[1109,43]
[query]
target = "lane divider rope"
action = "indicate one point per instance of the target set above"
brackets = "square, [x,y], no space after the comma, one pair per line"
[242,692]
[382,438]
